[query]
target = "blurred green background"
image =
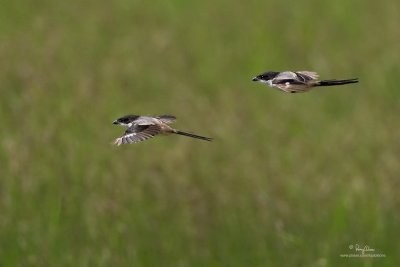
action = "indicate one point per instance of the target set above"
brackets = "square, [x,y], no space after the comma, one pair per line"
[290,180]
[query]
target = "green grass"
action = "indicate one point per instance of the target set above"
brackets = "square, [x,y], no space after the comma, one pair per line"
[290,180]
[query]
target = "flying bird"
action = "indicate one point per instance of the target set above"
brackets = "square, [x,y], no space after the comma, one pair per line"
[141,128]
[297,81]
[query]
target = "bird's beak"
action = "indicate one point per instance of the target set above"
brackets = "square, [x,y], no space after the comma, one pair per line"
[115,122]
[255,79]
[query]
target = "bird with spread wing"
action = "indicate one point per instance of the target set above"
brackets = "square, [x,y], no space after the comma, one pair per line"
[141,128]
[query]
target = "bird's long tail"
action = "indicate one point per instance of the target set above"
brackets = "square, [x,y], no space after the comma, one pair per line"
[336,82]
[193,135]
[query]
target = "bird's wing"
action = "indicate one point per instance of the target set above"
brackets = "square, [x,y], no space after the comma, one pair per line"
[138,133]
[307,75]
[287,77]
[166,118]
[145,120]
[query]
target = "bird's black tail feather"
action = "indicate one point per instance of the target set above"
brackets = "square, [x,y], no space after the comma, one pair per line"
[193,135]
[336,82]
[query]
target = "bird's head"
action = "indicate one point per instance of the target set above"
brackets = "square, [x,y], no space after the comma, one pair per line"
[265,77]
[126,120]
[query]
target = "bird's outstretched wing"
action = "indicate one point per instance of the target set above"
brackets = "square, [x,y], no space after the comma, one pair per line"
[138,133]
